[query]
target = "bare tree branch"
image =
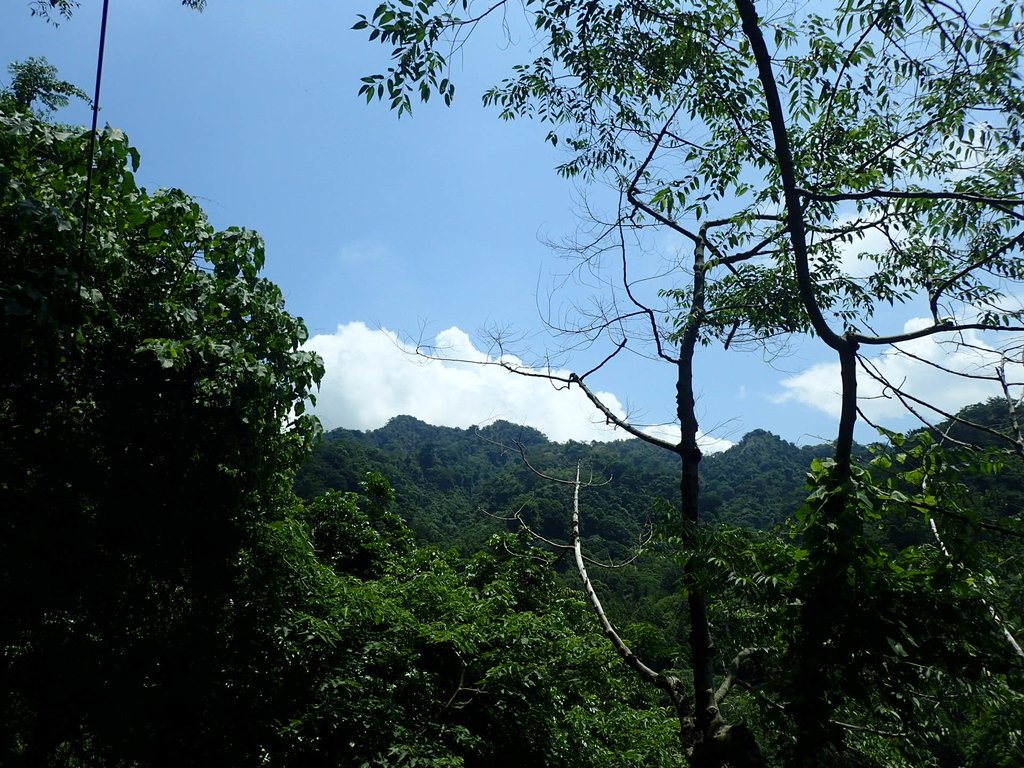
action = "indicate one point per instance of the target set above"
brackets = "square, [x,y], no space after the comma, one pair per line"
[872,370]
[668,683]
[732,675]
[622,424]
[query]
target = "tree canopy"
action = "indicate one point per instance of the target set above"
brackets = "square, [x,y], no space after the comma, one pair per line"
[35,80]
[126,348]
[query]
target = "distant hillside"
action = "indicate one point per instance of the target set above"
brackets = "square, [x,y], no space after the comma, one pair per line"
[454,485]
[450,482]
[1001,494]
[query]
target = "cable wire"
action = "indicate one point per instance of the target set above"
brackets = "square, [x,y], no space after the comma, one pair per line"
[93,136]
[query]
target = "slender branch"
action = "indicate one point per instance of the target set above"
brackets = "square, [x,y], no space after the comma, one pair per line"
[867,729]
[668,683]
[732,675]
[829,114]
[631,190]
[621,423]
[1002,203]
[951,371]
[455,23]
[1011,404]
[903,396]
[618,348]
[757,250]
[932,330]
[459,688]
[968,269]
[655,332]
[517,517]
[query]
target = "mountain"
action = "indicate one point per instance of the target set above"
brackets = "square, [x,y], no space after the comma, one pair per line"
[456,487]
[453,484]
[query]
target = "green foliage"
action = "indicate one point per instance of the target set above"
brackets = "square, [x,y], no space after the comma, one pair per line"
[148,407]
[926,669]
[64,9]
[926,646]
[36,80]
[445,477]
[907,668]
[753,485]
[357,541]
[416,657]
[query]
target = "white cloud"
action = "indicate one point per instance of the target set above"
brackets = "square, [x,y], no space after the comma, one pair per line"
[819,385]
[868,236]
[671,433]
[364,252]
[870,240]
[371,376]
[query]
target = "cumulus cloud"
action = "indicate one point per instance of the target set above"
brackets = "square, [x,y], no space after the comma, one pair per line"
[870,240]
[819,386]
[671,433]
[372,376]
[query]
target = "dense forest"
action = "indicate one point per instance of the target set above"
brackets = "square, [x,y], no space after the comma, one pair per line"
[447,477]
[192,574]
[457,488]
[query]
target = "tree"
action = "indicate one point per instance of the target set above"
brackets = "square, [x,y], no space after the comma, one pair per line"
[65,8]
[891,122]
[151,408]
[401,655]
[36,80]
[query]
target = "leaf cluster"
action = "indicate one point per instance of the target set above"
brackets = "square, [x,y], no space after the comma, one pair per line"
[150,408]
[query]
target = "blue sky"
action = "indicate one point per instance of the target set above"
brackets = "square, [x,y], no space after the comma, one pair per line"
[384,231]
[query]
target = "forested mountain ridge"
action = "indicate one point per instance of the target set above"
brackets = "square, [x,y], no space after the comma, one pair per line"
[449,480]
[452,483]
[457,487]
